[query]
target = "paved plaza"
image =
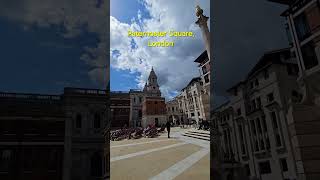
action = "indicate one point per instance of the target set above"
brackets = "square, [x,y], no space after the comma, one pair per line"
[161,158]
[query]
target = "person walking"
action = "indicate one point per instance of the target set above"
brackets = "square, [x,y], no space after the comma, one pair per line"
[168,124]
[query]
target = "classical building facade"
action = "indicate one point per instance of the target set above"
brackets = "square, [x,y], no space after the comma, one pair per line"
[32,135]
[139,108]
[53,136]
[191,101]
[303,28]
[204,70]
[194,99]
[174,112]
[86,110]
[253,128]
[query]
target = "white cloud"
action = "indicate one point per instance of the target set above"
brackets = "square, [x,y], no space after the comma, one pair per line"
[174,65]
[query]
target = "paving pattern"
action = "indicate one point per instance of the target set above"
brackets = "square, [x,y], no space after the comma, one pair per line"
[160,158]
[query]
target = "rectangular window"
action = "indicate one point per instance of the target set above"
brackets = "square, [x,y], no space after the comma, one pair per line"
[5,160]
[253,127]
[259,126]
[78,121]
[140,113]
[264,123]
[256,82]
[302,27]
[204,70]
[267,143]
[239,111]
[274,120]
[192,114]
[284,165]
[206,78]
[264,167]
[247,167]
[309,56]
[258,102]
[256,144]
[243,149]
[253,104]
[278,140]
[96,122]
[270,97]
[262,144]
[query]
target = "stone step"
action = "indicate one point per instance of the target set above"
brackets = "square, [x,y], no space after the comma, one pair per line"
[200,132]
[197,136]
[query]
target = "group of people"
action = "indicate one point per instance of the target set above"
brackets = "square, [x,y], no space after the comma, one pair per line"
[204,124]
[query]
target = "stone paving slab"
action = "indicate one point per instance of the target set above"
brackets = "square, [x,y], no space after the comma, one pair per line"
[119,151]
[199,171]
[148,165]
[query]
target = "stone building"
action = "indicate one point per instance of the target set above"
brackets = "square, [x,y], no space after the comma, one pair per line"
[303,28]
[32,135]
[139,108]
[84,141]
[190,101]
[204,69]
[153,111]
[174,113]
[136,100]
[253,128]
[120,109]
[53,136]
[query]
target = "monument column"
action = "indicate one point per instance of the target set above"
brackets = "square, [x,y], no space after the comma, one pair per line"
[202,22]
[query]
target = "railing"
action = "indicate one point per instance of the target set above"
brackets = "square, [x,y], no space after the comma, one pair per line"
[119,92]
[29,96]
[84,91]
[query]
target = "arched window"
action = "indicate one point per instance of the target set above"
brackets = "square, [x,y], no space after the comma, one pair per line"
[96,121]
[96,165]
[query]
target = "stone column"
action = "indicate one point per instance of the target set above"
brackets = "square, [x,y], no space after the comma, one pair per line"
[202,22]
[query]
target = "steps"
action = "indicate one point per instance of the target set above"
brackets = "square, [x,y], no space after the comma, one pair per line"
[198,134]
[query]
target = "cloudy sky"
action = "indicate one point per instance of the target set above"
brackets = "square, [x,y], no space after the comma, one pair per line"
[131,58]
[49,44]
[242,32]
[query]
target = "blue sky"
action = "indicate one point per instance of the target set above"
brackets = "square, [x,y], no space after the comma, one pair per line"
[174,66]
[123,80]
[37,59]
[125,10]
